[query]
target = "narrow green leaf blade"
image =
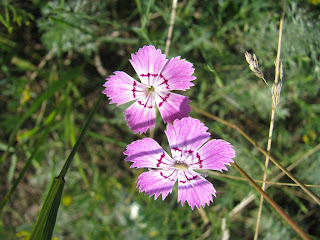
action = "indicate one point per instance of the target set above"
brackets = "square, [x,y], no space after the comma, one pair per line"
[48,214]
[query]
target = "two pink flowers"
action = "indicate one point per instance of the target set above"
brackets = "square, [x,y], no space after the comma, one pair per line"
[188,137]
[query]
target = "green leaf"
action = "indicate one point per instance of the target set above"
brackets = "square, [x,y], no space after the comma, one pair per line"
[48,214]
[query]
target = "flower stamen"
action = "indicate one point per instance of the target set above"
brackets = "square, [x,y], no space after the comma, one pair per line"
[181,165]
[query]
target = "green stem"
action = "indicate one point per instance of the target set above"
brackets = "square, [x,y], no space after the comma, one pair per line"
[48,214]
[79,140]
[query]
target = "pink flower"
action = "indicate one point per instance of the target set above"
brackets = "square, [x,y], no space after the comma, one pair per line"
[158,77]
[190,151]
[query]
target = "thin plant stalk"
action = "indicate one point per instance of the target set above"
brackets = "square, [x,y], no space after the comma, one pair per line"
[170,30]
[285,216]
[273,111]
[299,160]
[47,217]
[264,152]
[251,195]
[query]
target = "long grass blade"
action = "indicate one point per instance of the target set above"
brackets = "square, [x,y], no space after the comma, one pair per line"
[48,214]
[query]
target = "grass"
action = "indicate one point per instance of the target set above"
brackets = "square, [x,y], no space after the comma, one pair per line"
[54,61]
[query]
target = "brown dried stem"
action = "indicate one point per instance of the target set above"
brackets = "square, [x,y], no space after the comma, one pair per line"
[264,152]
[285,216]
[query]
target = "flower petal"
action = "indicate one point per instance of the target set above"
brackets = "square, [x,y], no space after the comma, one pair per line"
[147,153]
[194,189]
[148,63]
[141,115]
[214,155]
[121,88]
[172,106]
[156,182]
[176,75]
[186,136]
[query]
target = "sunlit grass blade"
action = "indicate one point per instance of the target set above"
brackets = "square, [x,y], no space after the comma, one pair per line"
[48,214]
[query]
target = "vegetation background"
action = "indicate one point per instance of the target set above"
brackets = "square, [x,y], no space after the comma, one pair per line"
[55,56]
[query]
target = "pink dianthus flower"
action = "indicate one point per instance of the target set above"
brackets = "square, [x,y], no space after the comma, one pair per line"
[158,77]
[190,150]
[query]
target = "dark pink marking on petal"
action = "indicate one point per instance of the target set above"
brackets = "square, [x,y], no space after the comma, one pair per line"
[199,161]
[160,160]
[189,151]
[165,81]
[168,177]
[164,99]
[134,89]
[177,149]
[145,105]
[189,179]
[149,74]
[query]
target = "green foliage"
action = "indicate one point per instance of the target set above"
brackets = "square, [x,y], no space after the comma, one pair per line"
[10,14]
[56,58]
[66,28]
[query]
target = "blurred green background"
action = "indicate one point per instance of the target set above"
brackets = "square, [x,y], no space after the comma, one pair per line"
[55,56]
